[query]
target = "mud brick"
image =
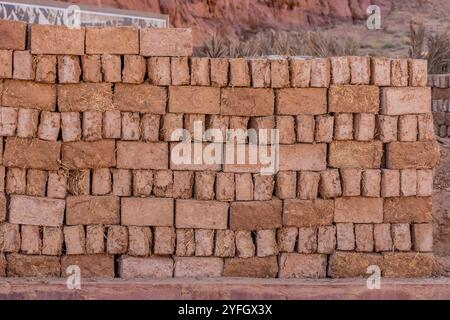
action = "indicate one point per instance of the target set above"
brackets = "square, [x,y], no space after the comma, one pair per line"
[46,68]
[294,265]
[163,183]
[244,186]
[179,69]
[426,127]
[57,40]
[320,72]
[204,185]
[139,241]
[111,68]
[364,126]
[308,213]
[8,121]
[239,124]
[75,239]
[185,242]
[150,127]
[36,211]
[412,155]
[364,237]
[408,264]
[31,240]
[31,153]
[92,210]
[92,125]
[286,184]
[352,264]
[159,71]
[217,124]
[363,154]
[313,101]
[407,210]
[422,237]
[324,128]
[382,237]
[401,236]
[387,128]
[330,184]
[399,72]
[360,69]
[16,181]
[343,126]
[326,239]
[225,186]
[256,267]
[6,63]
[147,212]
[305,128]
[408,130]
[380,72]
[70,126]
[255,215]
[205,267]
[424,183]
[36,182]
[49,126]
[200,100]
[351,182]
[307,157]
[286,238]
[170,123]
[52,241]
[279,72]
[245,248]
[164,240]
[408,182]
[13,34]
[113,40]
[219,72]
[239,73]
[122,182]
[193,121]
[91,68]
[140,98]
[307,240]
[79,182]
[398,101]
[201,214]
[112,125]
[286,127]
[134,68]
[183,182]
[57,184]
[418,71]
[10,237]
[69,70]
[95,239]
[27,123]
[20,265]
[225,244]
[348,209]
[131,126]
[27,94]
[204,242]
[173,42]
[371,183]
[96,154]
[264,187]
[262,127]
[260,71]
[117,240]
[100,266]
[200,71]
[142,155]
[145,267]
[266,243]
[247,102]
[84,97]
[355,99]
[24,66]
[2,207]
[142,183]
[340,70]
[300,69]
[184,156]
[308,185]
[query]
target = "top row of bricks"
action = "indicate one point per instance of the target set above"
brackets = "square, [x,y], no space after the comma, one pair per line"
[171,42]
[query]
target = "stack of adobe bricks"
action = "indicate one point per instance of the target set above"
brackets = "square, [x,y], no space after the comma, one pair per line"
[441,103]
[87,177]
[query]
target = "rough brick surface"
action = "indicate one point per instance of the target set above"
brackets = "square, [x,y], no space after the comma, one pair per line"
[355,154]
[348,209]
[57,40]
[355,99]
[412,155]
[313,101]
[151,267]
[407,210]
[101,266]
[308,213]
[26,94]
[85,96]
[112,40]
[166,42]
[85,155]
[198,267]
[397,101]
[255,215]
[88,210]
[20,265]
[142,155]
[247,102]
[140,98]
[201,214]
[13,34]
[303,265]
[147,212]
[256,267]
[352,264]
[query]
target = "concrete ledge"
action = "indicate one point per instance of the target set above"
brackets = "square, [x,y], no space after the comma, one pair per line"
[225,288]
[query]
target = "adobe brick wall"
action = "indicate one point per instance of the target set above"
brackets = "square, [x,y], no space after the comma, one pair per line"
[87,178]
[441,103]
